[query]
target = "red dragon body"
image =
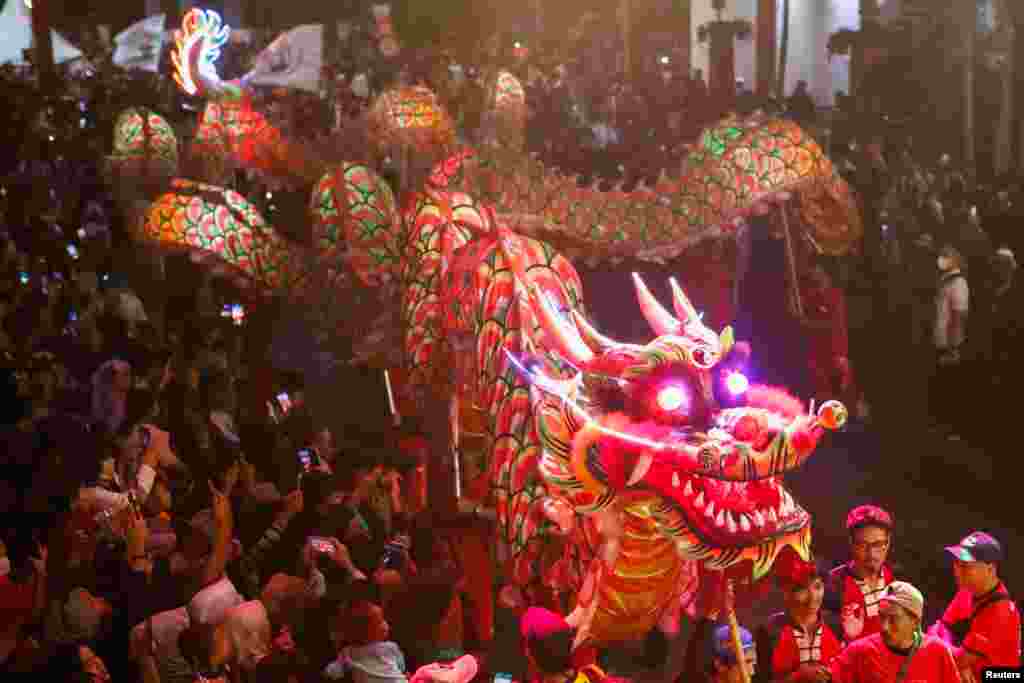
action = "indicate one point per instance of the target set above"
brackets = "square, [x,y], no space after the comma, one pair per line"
[614,473]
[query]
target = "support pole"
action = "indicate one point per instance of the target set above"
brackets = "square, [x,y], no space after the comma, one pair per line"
[791,260]
[737,644]
[42,46]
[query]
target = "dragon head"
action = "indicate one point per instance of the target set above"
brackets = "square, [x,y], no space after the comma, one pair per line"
[197,46]
[640,424]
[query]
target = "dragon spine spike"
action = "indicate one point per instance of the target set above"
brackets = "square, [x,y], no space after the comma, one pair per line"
[661,321]
[597,342]
[684,309]
[566,340]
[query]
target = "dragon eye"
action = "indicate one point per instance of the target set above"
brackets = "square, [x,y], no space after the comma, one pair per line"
[671,398]
[704,357]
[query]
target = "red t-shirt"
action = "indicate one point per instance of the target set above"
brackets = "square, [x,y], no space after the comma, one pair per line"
[858,613]
[994,636]
[794,647]
[870,660]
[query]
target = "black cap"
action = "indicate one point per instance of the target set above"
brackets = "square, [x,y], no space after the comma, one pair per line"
[977,547]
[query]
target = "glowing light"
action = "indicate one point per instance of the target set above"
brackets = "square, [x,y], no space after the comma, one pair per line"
[671,398]
[737,383]
[201,30]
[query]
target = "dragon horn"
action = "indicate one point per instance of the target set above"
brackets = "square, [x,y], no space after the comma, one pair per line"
[660,320]
[684,309]
[565,339]
[597,342]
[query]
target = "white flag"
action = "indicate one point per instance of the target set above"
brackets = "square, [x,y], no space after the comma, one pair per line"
[139,46]
[293,60]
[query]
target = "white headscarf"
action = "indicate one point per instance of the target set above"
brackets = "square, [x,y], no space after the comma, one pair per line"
[248,630]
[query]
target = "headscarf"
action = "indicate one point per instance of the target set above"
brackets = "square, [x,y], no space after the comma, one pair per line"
[211,605]
[248,630]
[107,407]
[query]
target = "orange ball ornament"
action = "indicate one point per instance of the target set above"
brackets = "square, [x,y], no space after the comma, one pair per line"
[832,415]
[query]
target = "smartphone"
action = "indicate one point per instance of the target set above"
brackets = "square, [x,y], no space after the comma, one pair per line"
[72,317]
[306,456]
[285,401]
[237,314]
[73,251]
[321,544]
[502,678]
[225,311]
[23,277]
[393,558]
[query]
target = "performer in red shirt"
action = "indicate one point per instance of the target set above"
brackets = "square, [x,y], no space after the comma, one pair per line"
[798,644]
[899,652]
[853,590]
[982,624]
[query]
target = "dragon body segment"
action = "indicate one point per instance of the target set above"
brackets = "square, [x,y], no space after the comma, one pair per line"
[615,475]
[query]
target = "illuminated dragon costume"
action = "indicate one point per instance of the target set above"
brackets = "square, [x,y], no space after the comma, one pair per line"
[614,473]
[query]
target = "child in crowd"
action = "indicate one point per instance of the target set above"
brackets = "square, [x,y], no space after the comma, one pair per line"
[369,656]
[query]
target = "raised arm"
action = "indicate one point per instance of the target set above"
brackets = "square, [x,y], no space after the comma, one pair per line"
[222,515]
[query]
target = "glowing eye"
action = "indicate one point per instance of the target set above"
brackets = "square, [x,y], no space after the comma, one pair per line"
[671,398]
[737,383]
[703,358]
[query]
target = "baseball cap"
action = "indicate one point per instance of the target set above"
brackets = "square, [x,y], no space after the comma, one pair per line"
[722,647]
[977,547]
[906,596]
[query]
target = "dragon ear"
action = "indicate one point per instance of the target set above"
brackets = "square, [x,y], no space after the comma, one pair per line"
[726,340]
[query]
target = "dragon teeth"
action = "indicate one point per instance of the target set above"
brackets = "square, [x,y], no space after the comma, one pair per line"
[730,522]
[699,500]
[758,518]
[710,511]
[788,506]
[720,519]
[642,466]
[744,523]
[688,491]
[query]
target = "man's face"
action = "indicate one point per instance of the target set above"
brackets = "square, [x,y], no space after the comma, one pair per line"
[1003,268]
[132,446]
[973,576]
[93,666]
[805,598]
[325,445]
[731,673]
[870,548]
[122,379]
[898,625]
